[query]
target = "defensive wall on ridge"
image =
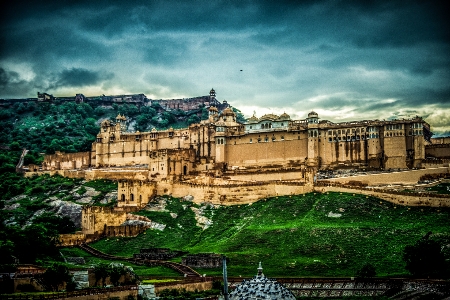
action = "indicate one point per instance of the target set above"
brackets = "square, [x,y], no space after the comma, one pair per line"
[231,194]
[397,197]
[402,177]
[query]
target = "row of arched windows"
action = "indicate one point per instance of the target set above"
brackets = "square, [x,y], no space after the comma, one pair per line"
[123,198]
[312,133]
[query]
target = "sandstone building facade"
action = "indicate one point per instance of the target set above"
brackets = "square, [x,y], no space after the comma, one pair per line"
[269,142]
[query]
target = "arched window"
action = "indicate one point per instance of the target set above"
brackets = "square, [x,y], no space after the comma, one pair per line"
[131,197]
[122,197]
[140,198]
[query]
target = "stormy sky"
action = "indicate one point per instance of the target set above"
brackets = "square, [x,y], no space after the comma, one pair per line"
[346,60]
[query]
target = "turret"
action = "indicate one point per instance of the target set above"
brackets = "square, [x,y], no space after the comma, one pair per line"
[212,94]
[313,139]
[213,113]
[122,122]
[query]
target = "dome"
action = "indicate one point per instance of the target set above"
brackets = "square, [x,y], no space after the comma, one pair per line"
[270,117]
[252,119]
[284,116]
[261,287]
[120,117]
[313,114]
[105,123]
[154,129]
[213,108]
[228,112]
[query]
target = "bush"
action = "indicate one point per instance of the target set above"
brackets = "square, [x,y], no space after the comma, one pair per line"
[366,271]
[425,258]
[26,288]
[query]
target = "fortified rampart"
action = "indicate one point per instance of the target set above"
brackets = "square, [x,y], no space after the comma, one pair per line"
[439,151]
[95,219]
[397,197]
[68,161]
[398,177]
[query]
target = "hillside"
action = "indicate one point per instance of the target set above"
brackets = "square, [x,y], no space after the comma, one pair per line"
[312,235]
[71,127]
[307,235]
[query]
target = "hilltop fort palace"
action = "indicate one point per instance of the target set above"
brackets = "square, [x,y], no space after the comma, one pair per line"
[222,161]
[270,142]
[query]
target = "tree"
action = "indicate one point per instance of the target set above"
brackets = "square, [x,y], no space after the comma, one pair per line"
[115,272]
[101,272]
[14,146]
[368,270]
[424,258]
[56,275]
[193,119]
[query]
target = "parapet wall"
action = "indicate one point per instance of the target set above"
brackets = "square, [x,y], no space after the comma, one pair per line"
[190,287]
[242,193]
[400,198]
[66,161]
[438,150]
[404,177]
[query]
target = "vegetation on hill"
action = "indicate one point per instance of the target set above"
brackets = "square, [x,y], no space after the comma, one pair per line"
[28,221]
[71,127]
[329,234]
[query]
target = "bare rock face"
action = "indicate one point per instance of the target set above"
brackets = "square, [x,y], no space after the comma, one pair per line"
[86,197]
[143,221]
[11,206]
[202,221]
[16,198]
[137,218]
[158,204]
[67,209]
[151,224]
[188,198]
[110,197]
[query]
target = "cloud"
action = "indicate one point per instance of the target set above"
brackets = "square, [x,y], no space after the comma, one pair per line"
[78,77]
[350,56]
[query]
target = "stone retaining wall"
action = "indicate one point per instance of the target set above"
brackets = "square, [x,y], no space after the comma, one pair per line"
[407,199]
[190,287]
[405,177]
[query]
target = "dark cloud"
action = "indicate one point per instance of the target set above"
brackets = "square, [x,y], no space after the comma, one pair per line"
[348,54]
[77,77]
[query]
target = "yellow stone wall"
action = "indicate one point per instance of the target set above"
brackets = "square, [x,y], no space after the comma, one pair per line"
[95,218]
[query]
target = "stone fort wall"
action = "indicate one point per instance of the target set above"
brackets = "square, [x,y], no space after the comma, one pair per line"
[400,198]
[404,177]
[68,161]
[438,151]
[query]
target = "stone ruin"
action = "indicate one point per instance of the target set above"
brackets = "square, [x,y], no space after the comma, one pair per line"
[157,254]
[203,260]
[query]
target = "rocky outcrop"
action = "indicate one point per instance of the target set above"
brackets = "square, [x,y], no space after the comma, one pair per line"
[67,209]
[200,215]
[143,221]
[158,204]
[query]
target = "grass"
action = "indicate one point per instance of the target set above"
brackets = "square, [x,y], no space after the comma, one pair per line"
[152,281]
[294,236]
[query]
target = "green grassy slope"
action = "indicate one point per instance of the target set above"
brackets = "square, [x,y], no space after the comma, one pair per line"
[294,236]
